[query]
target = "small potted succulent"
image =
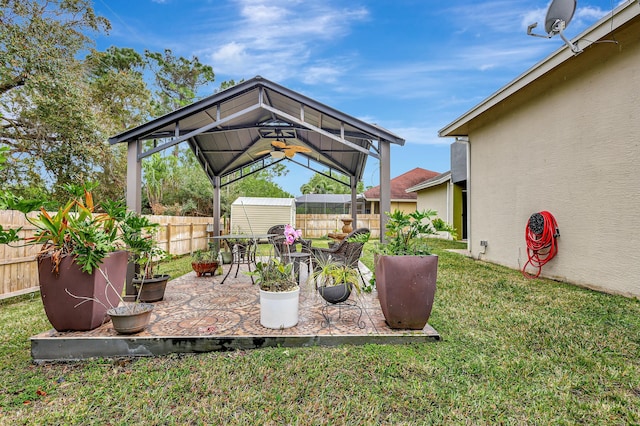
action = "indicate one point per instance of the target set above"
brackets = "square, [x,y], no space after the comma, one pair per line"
[205,262]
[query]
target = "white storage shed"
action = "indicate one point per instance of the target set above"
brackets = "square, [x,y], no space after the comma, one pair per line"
[255,215]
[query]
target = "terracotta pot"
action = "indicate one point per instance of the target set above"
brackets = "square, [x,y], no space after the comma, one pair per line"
[68,313]
[406,288]
[131,318]
[202,268]
[152,288]
[347,227]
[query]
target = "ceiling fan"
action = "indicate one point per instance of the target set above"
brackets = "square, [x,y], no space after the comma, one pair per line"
[281,149]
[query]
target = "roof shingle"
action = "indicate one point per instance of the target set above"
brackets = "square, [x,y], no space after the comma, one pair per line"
[401,183]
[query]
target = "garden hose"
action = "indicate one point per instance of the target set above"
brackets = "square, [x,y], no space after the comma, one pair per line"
[540,234]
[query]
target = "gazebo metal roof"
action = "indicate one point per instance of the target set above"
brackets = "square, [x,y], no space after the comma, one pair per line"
[231,133]
[228,130]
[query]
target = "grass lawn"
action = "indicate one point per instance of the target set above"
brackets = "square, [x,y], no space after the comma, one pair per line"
[514,351]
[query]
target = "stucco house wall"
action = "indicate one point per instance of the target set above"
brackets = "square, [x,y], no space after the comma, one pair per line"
[568,142]
[436,198]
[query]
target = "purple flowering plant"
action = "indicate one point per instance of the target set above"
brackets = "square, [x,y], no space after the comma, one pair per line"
[291,234]
[274,274]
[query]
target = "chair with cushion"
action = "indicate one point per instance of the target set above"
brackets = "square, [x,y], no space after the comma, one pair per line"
[281,249]
[278,241]
[345,251]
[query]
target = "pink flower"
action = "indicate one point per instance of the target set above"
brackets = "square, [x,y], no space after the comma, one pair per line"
[291,234]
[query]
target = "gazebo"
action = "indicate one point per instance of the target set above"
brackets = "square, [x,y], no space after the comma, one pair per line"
[232,132]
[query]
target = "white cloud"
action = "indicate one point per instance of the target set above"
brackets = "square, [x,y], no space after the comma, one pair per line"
[276,39]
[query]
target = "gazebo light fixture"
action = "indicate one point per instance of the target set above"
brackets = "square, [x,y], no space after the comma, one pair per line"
[277,154]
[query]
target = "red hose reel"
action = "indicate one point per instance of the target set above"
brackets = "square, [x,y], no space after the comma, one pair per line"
[540,234]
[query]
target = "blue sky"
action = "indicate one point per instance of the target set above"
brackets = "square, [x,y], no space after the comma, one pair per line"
[410,66]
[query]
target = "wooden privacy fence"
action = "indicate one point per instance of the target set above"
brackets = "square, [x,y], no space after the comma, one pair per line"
[319,225]
[178,235]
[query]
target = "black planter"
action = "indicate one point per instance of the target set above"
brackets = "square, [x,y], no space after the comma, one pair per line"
[152,288]
[336,293]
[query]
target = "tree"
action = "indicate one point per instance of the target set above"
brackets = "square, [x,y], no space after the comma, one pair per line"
[177,79]
[45,114]
[121,100]
[118,89]
[192,194]
[321,184]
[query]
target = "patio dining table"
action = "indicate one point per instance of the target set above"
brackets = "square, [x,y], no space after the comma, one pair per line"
[243,248]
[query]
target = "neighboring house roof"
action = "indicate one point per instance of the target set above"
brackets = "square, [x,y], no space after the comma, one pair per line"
[326,198]
[264,201]
[597,33]
[429,183]
[400,184]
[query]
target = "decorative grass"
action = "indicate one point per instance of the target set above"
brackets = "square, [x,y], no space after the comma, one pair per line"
[514,351]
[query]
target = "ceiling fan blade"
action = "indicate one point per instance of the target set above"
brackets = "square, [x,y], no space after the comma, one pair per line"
[263,152]
[279,144]
[298,148]
[289,153]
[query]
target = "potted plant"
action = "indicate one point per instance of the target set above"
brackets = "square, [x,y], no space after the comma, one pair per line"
[140,238]
[279,291]
[226,254]
[127,317]
[406,271]
[205,261]
[334,280]
[78,240]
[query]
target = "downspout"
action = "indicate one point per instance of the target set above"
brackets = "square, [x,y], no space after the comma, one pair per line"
[449,202]
[465,140]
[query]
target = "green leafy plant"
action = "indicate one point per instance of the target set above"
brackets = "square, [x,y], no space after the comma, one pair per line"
[205,256]
[359,238]
[139,235]
[441,226]
[329,271]
[407,233]
[77,228]
[274,275]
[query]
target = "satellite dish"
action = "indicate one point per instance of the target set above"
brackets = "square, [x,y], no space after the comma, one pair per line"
[559,14]
[558,17]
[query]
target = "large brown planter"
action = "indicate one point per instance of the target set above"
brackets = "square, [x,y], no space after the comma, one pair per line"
[82,312]
[406,288]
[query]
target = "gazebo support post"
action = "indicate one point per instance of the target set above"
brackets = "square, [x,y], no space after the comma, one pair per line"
[134,203]
[216,207]
[385,184]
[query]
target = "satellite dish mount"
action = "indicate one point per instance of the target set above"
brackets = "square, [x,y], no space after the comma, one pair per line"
[558,17]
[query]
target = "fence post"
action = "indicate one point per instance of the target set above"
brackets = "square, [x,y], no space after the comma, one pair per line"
[169,238]
[191,238]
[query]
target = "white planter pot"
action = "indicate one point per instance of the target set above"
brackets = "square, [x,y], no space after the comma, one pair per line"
[279,309]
